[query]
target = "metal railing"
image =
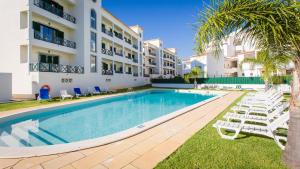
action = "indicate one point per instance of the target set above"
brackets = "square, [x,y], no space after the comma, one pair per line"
[55,68]
[50,8]
[135,46]
[127,40]
[152,63]
[136,74]
[107,52]
[119,54]
[146,75]
[108,32]
[119,71]
[129,73]
[56,40]
[153,54]
[135,60]
[118,35]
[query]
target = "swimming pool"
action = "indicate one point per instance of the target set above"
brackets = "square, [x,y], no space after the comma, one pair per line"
[92,120]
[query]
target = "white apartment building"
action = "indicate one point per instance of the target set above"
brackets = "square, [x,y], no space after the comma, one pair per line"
[160,61]
[67,44]
[227,63]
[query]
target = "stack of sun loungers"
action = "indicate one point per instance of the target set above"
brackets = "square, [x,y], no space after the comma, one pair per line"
[261,113]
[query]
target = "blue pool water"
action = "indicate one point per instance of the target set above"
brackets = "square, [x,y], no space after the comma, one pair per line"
[92,119]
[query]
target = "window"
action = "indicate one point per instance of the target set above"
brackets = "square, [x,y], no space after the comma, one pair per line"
[49,59]
[93,19]
[47,33]
[93,63]
[93,42]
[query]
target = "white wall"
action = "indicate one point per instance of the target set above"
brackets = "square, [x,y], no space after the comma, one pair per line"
[6,87]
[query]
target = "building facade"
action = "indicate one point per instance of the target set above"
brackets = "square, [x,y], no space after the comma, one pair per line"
[160,62]
[75,43]
[228,62]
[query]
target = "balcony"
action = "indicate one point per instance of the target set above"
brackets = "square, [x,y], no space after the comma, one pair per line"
[146,75]
[118,35]
[127,40]
[107,52]
[55,68]
[129,73]
[108,32]
[135,46]
[152,63]
[119,71]
[119,54]
[153,54]
[53,8]
[135,60]
[56,40]
[128,57]
[135,74]
[107,72]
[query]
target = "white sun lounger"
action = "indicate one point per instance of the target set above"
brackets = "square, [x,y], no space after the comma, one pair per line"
[266,118]
[268,131]
[64,94]
[92,91]
[264,105]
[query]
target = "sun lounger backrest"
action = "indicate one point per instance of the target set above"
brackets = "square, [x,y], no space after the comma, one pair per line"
[44,94]
[77,91]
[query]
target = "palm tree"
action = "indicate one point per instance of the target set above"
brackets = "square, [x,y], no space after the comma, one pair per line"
[270,25]
[270,64]
[196,72]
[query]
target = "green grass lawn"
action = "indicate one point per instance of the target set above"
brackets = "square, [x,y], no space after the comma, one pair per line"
[206,150]
[33,103]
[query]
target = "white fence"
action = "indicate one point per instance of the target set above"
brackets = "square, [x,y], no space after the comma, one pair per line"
[284,87]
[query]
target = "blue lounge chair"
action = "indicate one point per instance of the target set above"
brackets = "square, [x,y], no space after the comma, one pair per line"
[78,92]
[44,94]
[98,90]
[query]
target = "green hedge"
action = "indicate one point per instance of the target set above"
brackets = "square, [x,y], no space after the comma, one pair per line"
[227,80]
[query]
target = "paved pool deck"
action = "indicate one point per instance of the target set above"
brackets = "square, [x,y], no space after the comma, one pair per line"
[142,151]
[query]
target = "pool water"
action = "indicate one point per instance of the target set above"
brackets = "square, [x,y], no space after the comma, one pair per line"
[92,119]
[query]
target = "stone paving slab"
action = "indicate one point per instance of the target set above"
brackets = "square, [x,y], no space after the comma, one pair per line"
[141,151]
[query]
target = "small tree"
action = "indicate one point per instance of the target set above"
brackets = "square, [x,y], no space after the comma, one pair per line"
[196,72]
[269,63]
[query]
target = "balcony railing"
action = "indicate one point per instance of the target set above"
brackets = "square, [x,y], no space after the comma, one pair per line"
[128,56]
[135,46]
[127,40]
[146,75]
[107,52]
[135,60]
[54,10]
[119,53]
[129,73]
[55,40]
[55,68]
[118,35]
[108,32]
[136,74]
[153,54]
[107,72]
[152,63]
[119,71]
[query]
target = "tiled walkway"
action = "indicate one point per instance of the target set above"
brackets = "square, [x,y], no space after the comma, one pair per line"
[144,150]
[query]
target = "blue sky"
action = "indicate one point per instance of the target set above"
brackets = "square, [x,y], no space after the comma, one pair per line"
[170,20]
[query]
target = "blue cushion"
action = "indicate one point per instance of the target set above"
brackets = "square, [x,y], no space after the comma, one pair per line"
[77,91]
[44,94]
[97,88]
